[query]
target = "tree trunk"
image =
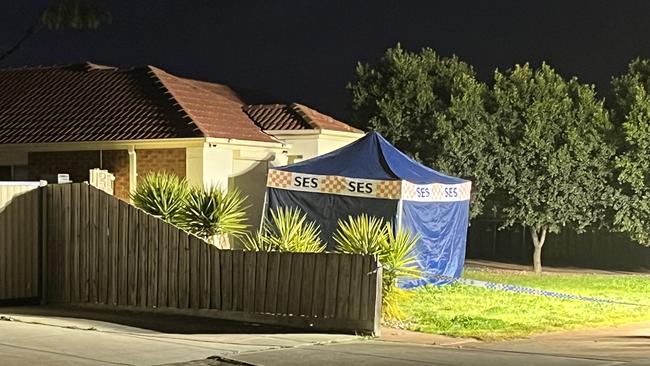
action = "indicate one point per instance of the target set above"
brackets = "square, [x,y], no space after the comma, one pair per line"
[539,236]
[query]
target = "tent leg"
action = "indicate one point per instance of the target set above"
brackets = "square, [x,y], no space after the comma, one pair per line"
[400,208]
[265,205]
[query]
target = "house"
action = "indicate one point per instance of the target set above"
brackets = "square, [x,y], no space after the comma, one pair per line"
[70,119]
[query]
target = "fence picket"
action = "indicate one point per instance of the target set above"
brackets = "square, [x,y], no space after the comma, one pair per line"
[143,258]
[113,249]
[249,281]
[74,237]
[215,280]
[343,288]
[172,282]
[226,280]
[331,274]
[237,280]
[272,278]
[133,245]
[295,283]
[123,240]
[163,263]
[152,255]
[260,281]
[184,271]
[306,292]
[318,298]
[204,275]
[102,232]
[195,273]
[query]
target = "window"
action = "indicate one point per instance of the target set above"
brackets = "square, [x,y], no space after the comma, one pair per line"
[13,173]
[5,173]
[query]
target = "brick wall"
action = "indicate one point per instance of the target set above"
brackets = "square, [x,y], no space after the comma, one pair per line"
[117,163]
[169,160]
[45,165]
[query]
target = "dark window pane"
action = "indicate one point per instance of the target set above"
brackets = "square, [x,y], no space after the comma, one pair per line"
[5,173]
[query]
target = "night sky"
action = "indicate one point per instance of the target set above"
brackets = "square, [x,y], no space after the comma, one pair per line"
[307,51]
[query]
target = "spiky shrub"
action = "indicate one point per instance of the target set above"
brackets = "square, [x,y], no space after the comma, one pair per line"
[371,235]
[288,230]
[212,214]
[161,194]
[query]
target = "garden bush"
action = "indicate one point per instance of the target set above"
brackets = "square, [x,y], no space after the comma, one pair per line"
[288,230]
[161,194]
[371,235]
[213,215]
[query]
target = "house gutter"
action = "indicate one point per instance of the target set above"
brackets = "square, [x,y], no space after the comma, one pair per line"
[314,132]
[141,144]
[106,145]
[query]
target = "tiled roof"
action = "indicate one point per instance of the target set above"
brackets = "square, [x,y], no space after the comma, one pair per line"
[216,109]
[293,117]
[276,117]
[89,102]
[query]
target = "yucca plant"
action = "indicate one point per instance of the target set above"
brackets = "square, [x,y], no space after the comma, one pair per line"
[362,234]
[288,230]
[397,261]
[212,214]
[371,235]
[161,194]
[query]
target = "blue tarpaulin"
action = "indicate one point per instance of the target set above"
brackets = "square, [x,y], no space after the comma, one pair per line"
[370,175]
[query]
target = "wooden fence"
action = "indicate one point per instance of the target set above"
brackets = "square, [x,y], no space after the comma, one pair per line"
[599,249]
[19,241]
[101,251]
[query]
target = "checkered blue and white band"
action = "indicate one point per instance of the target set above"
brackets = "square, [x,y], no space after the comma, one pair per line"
[369,188]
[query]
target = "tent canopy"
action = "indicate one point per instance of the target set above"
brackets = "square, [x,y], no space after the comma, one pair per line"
[371,157]
[371,176]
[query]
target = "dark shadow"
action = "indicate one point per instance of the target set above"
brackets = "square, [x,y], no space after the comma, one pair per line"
[166,323]
[30,301]
[19,244]
[639,337]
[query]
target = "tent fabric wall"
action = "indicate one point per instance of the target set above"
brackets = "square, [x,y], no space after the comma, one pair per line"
[372,176]
[327,209]
[442,229]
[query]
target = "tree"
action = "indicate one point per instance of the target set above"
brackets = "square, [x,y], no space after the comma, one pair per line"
[632,117]
[554,168]
[62,15]
[432,108]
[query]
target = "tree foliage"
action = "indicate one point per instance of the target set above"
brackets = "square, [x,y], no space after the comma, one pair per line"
[432,108]
[632,116]
[554,159]
[62,15]
[75,14]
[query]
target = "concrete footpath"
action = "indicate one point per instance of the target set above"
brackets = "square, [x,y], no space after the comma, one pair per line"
[33,336]
[629,345]
[38,336]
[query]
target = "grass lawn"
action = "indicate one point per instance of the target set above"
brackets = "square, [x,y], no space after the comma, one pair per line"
[466,311]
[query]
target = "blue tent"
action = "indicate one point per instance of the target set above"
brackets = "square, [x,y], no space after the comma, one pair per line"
[371,176]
